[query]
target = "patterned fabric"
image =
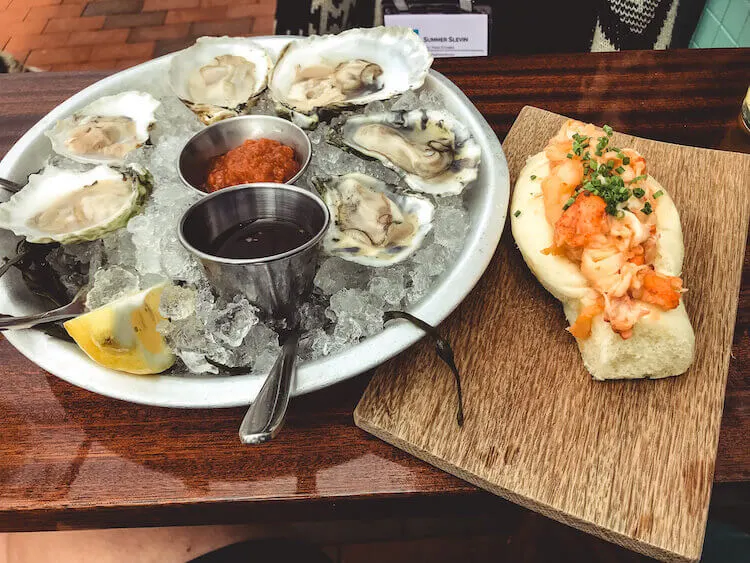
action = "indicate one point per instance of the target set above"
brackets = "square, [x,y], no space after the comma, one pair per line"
[634,24]
[601,25]
[311,17]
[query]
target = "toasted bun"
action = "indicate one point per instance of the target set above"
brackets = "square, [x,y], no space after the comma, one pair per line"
[663,342]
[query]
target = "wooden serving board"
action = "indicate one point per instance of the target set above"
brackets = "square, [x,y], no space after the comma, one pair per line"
[631,462]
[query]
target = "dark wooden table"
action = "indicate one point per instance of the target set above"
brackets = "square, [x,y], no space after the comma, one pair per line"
[72,459]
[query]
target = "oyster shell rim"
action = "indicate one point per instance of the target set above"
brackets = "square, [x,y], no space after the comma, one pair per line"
[208,41]
[138,177]
[465,148]
[397,34]
[426,206]
[143,133]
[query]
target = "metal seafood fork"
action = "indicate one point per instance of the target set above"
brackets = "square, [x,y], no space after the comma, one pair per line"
[12,187]
[265,416]
[69,311]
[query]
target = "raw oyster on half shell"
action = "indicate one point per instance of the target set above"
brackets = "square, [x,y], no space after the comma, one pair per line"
[59,205]
[106,130]
[219,77]
[372,224]
[433,152]
[353,68]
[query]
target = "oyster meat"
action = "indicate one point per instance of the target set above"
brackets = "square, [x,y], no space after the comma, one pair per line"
[353,68]
[433,152]
[106,130]
[219,76]
[372,224]
[65,206]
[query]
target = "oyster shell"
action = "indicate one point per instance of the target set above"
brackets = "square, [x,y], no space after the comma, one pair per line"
[433,152]
[355,67]
[59,205]
[106,130]
[219,76]
[373,225]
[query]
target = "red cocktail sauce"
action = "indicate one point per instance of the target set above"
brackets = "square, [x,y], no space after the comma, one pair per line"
[255,160]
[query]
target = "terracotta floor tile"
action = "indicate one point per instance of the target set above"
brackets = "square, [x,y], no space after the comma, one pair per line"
[170,31]
[196,15]
[23,27]
[49,12]
[110,7]
[99,37]
[123,51]
[14,14]
[156,5]
[59,55]
[213,3]
[20,43]
[145,19]
[165,46]
[74,24]
[46,30]
[29,3]
[231,27]
[264,26]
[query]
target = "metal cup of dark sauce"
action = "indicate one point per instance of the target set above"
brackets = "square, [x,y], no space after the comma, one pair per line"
[261,241]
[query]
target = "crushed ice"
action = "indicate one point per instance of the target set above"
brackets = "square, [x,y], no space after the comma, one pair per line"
[208,332]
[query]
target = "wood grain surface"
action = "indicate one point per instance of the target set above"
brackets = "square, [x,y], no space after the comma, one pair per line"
[631,462]
[72,459]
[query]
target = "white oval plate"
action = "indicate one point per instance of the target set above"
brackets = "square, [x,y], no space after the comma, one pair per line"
[487,202]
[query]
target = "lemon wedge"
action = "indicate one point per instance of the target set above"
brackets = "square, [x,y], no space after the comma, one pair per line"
[122,335]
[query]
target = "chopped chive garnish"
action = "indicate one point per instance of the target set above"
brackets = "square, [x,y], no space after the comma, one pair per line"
[580,142]
[647,209]
[620,214]
[533,176]
[517,213]
[659,194]
[603,179]
[639,178]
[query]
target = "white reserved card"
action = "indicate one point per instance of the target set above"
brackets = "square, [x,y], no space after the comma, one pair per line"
[447,35]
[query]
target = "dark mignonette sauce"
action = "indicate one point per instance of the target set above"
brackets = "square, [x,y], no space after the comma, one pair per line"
[259,238]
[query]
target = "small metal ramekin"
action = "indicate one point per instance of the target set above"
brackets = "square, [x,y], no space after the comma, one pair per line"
[221,137]
[276,284]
